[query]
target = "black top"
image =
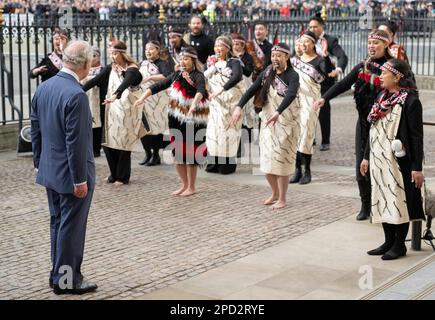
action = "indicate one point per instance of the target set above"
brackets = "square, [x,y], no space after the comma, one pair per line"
[132,77]
[196,76]
[337,51]
[203,45]
[163,66]
[361,88]
[410,131]
[248,64]
[266,47]
[51,71]
[101,80]
[322,65]
[289,77]
[236,73]
[364,95]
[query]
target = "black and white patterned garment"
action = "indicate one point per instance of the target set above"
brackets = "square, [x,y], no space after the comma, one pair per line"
[155,108]
[279,142]
[223,137]
[94,97]
[123,124]
[311,75]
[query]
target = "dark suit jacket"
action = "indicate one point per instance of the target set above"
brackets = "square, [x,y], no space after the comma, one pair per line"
[335,50]
[61,132]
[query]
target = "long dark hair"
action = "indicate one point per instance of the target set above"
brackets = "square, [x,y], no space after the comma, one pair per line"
[391,26]
[269,77]
[407,81]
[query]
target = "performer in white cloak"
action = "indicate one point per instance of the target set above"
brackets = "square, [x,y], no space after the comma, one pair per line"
[277,87]
[224,76]
[312,70]
[250,117]
[96,97]
[123,123]
[153,69]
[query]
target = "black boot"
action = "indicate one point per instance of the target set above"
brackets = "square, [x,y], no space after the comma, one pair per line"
[155,158]
[212,166]
[390,236]
[298,172]
[399,247]
[147,158]
[306,175]
[365,195]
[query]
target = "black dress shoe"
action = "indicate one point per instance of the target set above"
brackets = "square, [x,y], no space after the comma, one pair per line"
[324,147]
[80,288]
[50,283]
[212,168]
[381,250]
[393,254]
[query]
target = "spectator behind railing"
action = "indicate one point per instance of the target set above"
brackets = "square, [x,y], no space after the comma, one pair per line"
[257,9]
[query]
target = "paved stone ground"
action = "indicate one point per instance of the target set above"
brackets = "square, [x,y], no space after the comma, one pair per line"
[140,238]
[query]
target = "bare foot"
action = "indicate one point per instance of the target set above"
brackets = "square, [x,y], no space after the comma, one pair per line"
[188,192]
[118,183]
[179,191]
[270,200]
[279,205]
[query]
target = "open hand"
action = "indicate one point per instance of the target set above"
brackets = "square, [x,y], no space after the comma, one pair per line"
[272,120]
[110,100]
[318,104]
[417,178]
[237,115]
[364,167]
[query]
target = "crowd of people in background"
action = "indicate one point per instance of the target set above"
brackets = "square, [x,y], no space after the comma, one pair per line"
[225,8]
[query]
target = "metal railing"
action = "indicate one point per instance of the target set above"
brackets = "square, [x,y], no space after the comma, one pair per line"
[23,43]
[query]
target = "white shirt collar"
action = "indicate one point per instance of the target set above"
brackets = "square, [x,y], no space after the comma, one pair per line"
[322,35]
[70,72]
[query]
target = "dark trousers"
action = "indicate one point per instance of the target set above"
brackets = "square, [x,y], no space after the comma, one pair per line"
[68,219]
[325,122]
[97,134]
[119,164]
[364,185]
[153,142]
[325,115]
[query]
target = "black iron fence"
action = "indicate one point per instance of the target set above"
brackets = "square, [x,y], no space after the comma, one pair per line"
[23,43]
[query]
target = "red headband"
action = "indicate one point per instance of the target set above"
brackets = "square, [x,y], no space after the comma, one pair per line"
[188,54]
[390,68]
[376,36]
[278,48]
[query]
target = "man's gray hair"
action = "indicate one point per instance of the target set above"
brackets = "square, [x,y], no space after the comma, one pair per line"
[77,53]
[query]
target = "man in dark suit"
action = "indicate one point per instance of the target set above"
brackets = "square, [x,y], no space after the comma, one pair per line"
[61,131]
[327,46]
[261,31]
